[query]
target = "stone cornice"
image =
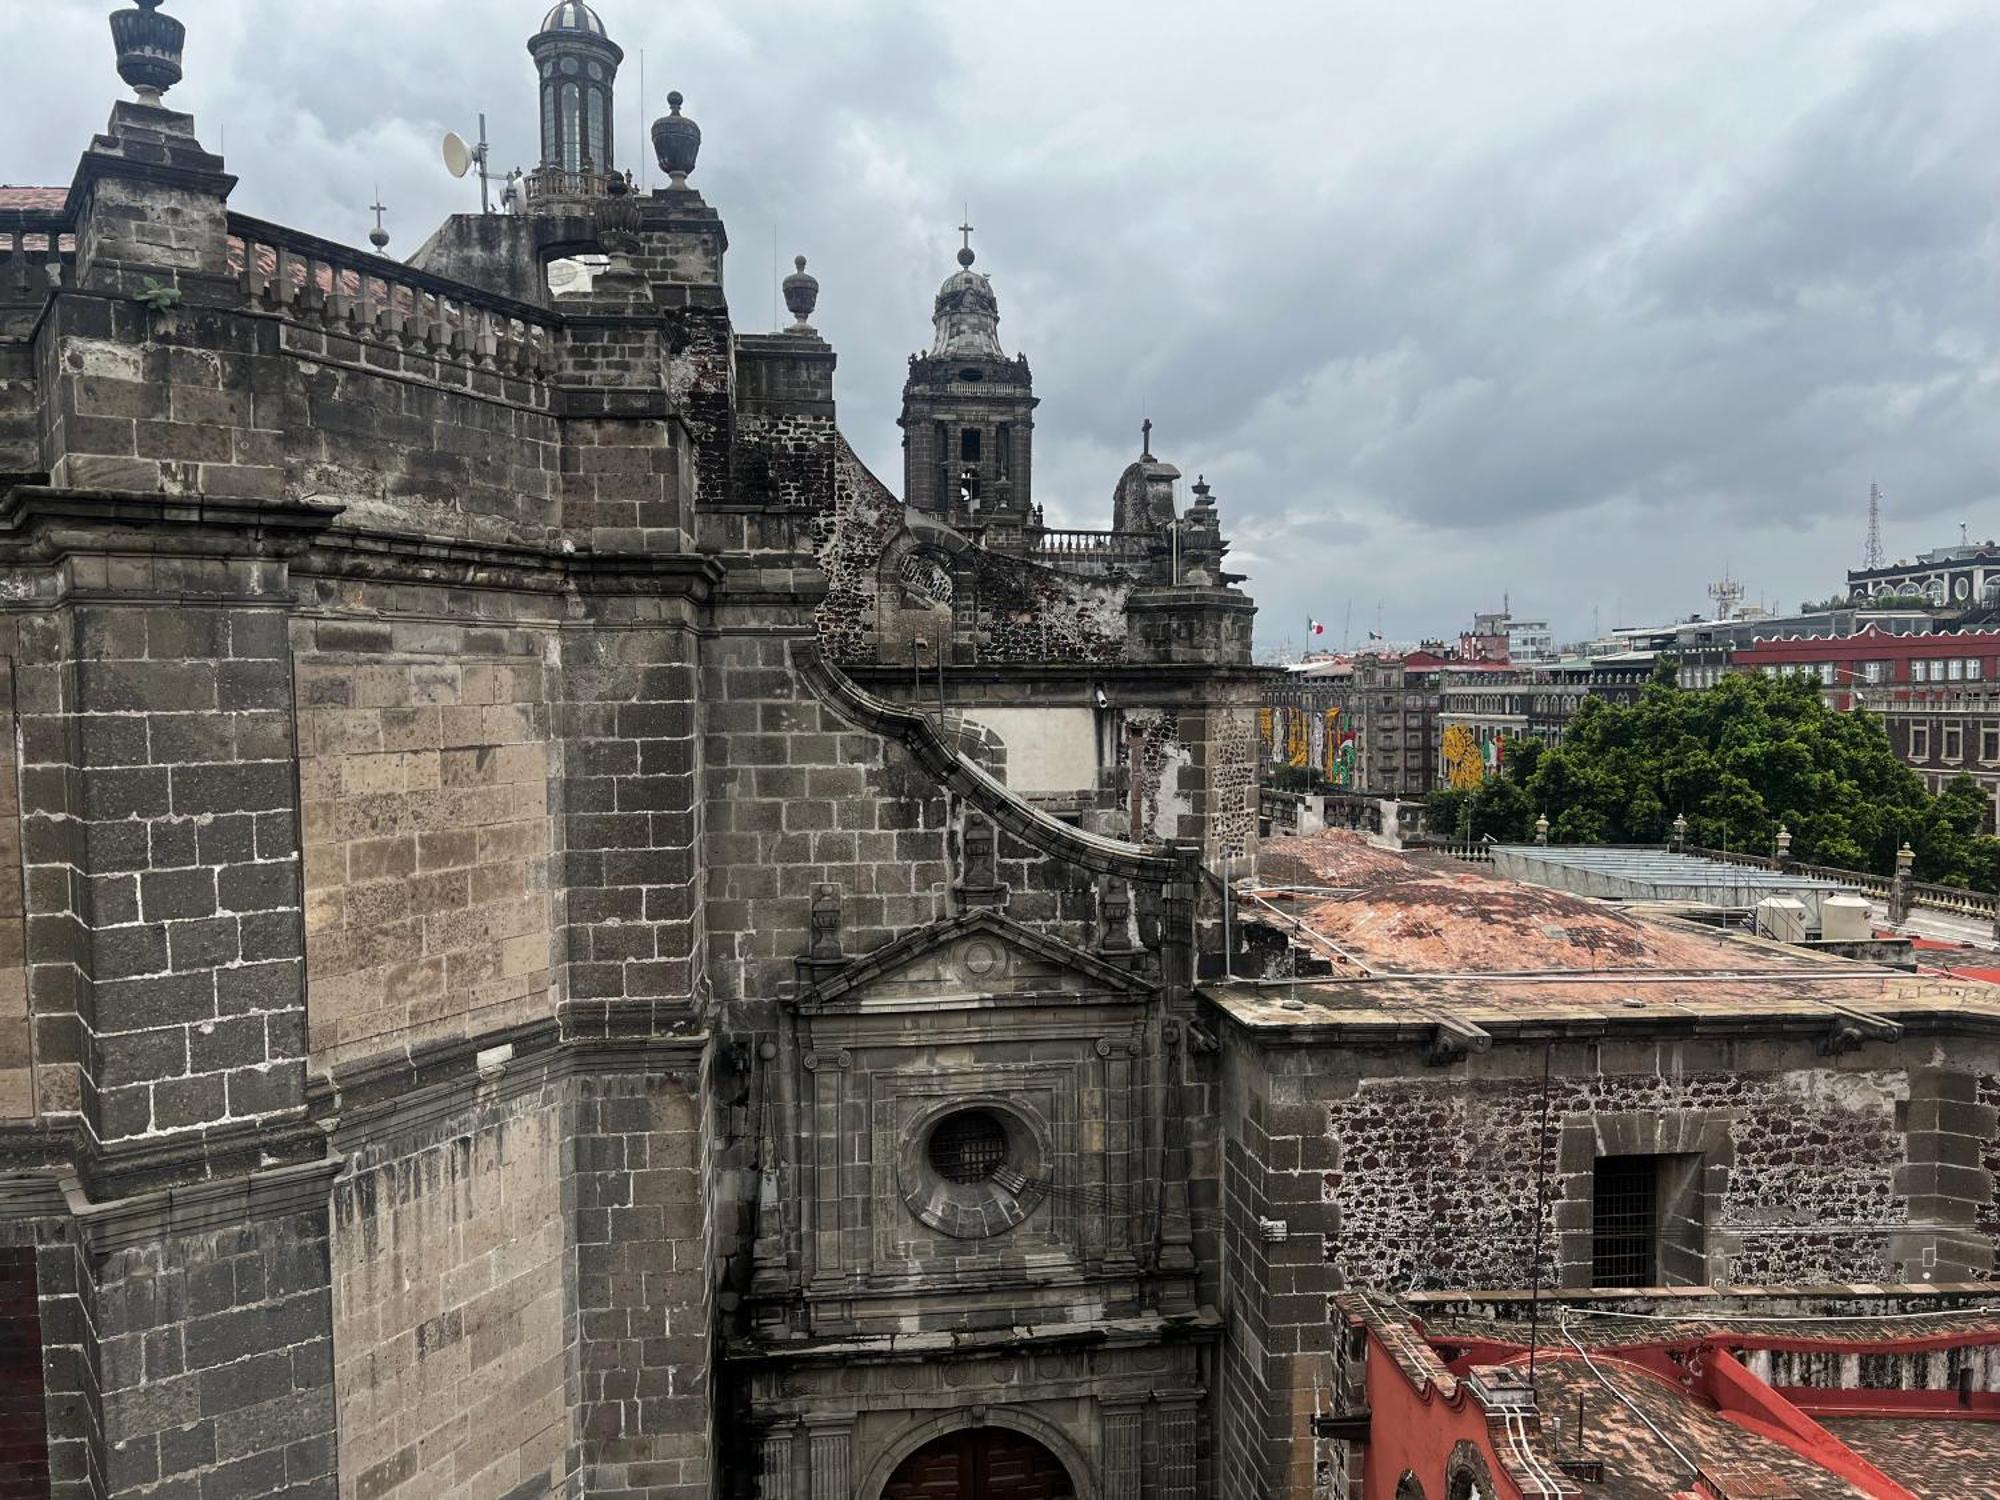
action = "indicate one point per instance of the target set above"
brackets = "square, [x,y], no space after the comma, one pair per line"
[361,1100]
[50,523]
[1202,1326]
[860,972]
[148,1218]
[1405,1027]
[351,553]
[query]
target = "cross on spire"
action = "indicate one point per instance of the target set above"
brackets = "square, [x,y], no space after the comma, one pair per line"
[1146,439]
[965,256]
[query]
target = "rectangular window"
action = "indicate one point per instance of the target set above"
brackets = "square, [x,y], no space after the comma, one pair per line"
[1920,742]
[1957,666]
[1973,669]
[968,445]
[1989,744]
[1004,448]
[1625,1222]
[1954,742]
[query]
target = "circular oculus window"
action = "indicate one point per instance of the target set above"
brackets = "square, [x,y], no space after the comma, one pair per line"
[973,1169]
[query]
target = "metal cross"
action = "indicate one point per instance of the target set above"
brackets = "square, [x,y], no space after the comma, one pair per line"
[966,230]
[379,210]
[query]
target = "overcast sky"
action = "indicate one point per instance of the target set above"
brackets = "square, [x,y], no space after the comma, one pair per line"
[1581,301]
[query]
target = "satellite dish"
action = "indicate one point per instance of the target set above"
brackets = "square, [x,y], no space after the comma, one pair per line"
[458,157]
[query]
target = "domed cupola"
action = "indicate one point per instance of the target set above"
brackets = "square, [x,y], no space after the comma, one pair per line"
[578,64]
[967,314]
[572,15]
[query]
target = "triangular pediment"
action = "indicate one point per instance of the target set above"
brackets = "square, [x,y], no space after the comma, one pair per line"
[977,956]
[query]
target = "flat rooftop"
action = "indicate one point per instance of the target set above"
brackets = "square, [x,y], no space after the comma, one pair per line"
[1409,941]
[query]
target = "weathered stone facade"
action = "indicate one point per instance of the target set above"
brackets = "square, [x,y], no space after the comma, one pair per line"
[557,939]
[494,928]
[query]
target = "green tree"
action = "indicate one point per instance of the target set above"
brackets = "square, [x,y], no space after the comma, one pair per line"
[1740,759]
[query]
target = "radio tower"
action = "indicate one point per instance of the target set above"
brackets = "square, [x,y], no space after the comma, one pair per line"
[1873,558]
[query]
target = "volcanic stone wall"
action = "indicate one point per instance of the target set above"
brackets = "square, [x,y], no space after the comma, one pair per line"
[451,1323]
[1436,1180]
[1009,610]
[640,1183]
[161,852]
[424,789]
[796,799]
[1349,1166]
[20,417]
[17,1078]
[217,1361]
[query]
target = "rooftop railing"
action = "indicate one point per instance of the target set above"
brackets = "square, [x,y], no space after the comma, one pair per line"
[368,296]
[37,255]
[1090,551]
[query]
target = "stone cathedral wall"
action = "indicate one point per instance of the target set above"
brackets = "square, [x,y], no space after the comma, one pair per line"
[424,798]
[450,1324]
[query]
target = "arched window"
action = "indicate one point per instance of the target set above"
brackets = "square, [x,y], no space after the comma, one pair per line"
[599,158]
[1409,1487]
[572,128]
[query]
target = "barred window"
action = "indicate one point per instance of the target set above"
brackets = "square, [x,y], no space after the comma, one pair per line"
[969,1146]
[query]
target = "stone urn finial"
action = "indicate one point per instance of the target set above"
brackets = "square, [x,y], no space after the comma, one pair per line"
[150,47]
[677,141]
[801,296]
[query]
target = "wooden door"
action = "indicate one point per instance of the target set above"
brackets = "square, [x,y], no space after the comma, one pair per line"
[985,1463]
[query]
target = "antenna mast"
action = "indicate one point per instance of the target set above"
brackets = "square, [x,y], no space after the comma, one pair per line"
[1872,558]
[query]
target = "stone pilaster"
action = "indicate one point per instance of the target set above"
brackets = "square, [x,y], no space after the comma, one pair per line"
[832,1449]
[1124,1441]
[775,1458]
[1177,1447]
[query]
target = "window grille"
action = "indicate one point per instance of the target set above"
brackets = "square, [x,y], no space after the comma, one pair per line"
[968,1147]
[1625,1221]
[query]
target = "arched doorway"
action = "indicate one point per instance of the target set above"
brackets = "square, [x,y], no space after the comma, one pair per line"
[980,1463]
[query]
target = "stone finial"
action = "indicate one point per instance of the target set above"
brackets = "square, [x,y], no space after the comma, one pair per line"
[826,924]
[979,878]
[379,235]
[1680,830]
[1542,828]
[677,141]
[801,296]
[1117,909]
[1204,495]
[150,47]
[1906,859]
[1784,842]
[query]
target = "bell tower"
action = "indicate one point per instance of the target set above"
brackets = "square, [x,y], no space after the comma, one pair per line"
[578,65]
[968,413]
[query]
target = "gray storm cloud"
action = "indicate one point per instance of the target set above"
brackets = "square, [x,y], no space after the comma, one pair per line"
[1573,301]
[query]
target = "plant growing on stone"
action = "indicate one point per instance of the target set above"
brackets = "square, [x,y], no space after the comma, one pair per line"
[160,299]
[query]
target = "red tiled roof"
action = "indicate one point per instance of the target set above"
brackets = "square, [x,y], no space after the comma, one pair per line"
[38,198]
[1660,1399]
[1410,916]
[1945,1460]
